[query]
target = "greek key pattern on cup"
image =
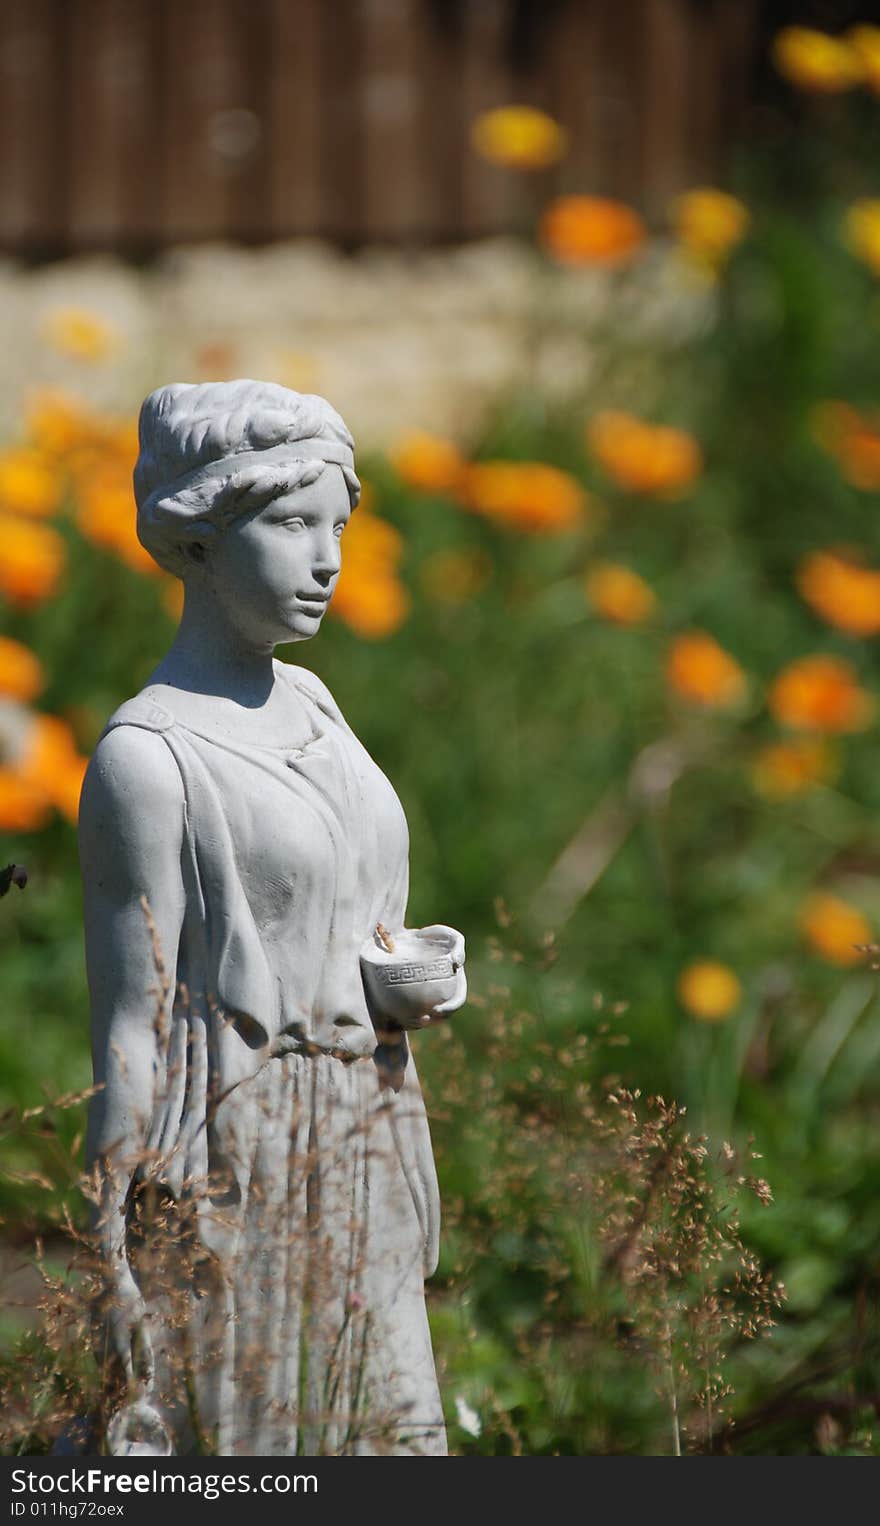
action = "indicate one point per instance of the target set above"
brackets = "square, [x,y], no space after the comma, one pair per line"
[403,974]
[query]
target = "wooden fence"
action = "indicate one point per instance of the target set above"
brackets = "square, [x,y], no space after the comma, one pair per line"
[132,124]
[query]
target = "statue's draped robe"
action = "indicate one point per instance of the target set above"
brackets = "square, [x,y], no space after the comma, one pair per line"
[299,1191]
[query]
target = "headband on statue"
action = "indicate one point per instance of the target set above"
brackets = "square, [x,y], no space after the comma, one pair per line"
[332,452]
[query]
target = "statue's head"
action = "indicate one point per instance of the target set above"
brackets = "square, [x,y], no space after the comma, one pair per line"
[215,451]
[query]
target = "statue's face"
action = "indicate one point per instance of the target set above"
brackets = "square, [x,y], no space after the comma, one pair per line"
[276,570]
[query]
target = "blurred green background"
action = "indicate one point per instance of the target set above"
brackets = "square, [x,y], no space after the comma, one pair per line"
[611,633]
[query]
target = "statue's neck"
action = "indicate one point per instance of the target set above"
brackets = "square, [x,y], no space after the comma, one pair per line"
[211,655]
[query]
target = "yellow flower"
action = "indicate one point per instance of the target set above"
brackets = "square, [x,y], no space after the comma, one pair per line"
[172,597]
[820,693]
[832,926]
[700,671]
[21,672]
[80,334]
[50,762]
[862,231]
[708,990]
[519,137]
[56,422]
[29,484]
[24,807]
[374,607]
[525,495]
[865,40]
[591,230]
[106,516]
[709,223]
[369,596]
[644,458]
[815,61]
[789,768]
[842,591]
[619,594]
[32,559]
[853,441]
[428,463]
[455,577]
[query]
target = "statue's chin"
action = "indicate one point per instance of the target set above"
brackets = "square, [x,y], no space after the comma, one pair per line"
[301,626]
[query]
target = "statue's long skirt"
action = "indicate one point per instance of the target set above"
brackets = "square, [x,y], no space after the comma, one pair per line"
[306,1333]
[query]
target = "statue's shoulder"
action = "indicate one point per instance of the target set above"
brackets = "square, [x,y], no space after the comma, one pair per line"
[141,711]
[313,686]
[131,762]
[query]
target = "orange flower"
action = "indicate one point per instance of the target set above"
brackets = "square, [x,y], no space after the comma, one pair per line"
[373,607]
[590,230]
[106,516]
[619,594]
[789,768]
[32,559]
[454,577]
[21,672]
[820,693]
[172,597]
[814,61]
[700,671]
[80,334]
[428,463]
[842,591]
[56,422]
[28,484]
[24,807]
[644,458]
[369,596]
[50,762]
[709,223]
[833,927]
[852,440]
[519,137]
[708,990]
[525,495]
[865,41]
[862,231]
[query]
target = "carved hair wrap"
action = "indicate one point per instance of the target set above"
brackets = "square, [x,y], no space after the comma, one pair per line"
[213,451]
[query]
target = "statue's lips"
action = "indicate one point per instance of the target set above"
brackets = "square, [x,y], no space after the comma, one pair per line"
[311,602]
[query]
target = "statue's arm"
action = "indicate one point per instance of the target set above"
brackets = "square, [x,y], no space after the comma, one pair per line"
[130,834]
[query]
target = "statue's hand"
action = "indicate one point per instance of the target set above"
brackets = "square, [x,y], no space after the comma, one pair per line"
[128,1330]
[459,996]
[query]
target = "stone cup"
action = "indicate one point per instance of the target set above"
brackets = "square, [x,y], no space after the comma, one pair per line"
[418,973]
[138,1430]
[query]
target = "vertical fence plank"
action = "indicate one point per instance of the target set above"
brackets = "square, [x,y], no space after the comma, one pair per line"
[31,207]
[295,102]
[442,128]
[393,174]
[737,25]
[489,198]
[621,62]
[109,66]
[341,151]
[246,125]
[665,125]
[200,79]
[707,62]
[574,73]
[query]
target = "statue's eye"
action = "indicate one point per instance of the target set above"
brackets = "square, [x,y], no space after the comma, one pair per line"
[337,531]
[294,524]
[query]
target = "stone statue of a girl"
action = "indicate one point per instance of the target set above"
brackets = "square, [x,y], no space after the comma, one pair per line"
[267,1201]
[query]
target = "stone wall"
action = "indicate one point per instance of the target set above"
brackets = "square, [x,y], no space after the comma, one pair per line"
[396,341]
